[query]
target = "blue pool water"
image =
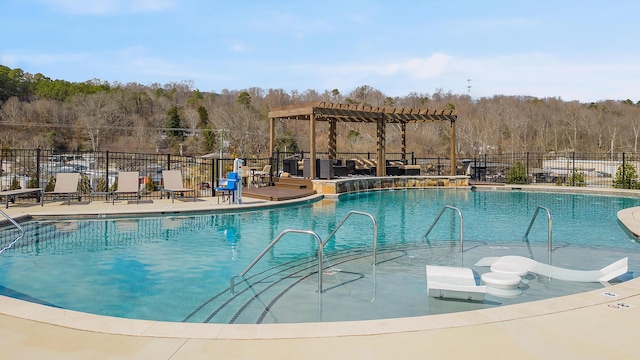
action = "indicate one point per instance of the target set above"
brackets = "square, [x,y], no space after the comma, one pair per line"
[175,268]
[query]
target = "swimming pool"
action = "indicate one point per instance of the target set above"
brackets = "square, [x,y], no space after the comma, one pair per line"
[177,268]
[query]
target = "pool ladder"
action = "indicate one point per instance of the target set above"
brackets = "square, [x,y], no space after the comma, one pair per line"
[461,224]
[549,228]
[16,225]
[525,238]
[321,243]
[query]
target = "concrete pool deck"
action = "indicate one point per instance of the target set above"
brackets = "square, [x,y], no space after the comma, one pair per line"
[592,325]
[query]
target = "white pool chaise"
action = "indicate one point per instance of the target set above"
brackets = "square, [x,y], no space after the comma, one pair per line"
[605,274]
[453,283]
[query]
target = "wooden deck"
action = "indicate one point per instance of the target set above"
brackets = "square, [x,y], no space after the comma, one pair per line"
[283,189]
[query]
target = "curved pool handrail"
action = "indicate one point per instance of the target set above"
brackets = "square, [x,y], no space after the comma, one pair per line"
[461,224]
[549,228]
[375,230]
[16,225]
[272,244]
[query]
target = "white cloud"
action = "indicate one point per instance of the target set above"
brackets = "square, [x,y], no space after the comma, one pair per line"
[239,47]
[109,7]
[419,68]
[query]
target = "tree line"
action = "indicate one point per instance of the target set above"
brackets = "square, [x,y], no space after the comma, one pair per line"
[39,112]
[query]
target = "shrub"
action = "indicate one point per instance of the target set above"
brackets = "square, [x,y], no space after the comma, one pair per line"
[517,174]
[150,185]
[577,178]
[15,184]
[114,187]
[85,184]
[101,185]
[33,181]
[51,184]
[626,177]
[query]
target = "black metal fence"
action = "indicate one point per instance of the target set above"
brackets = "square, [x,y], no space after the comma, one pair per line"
[618,170]
[32,168]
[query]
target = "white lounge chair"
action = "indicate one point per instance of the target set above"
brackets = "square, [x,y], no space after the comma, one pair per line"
[453,283]
[521,263]
[172,183]
[66,184]
[128,183]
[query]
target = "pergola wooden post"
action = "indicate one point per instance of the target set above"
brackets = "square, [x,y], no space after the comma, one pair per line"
[312,146]
[381,168]
[403,145]
[272,136]
[332,139]
[381,116]
[452,145]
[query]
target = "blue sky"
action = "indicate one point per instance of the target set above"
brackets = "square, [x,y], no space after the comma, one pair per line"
[576,50]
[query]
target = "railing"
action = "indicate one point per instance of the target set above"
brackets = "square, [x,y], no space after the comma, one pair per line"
[461,224]
[272,244]
[16,225]
[549,228]
[321,245]
[375,230]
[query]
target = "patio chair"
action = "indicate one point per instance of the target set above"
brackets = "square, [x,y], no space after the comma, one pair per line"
[172,180]
[128,183]
[66,184]
[262,177]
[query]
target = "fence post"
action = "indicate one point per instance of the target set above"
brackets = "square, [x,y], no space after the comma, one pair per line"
[573,168]
[624,178]
[527,168]
[484,176]
[213,175]
[37,168]
[106,172]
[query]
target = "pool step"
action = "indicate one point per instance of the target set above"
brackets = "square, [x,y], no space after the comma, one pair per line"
[347,278]
[252,297]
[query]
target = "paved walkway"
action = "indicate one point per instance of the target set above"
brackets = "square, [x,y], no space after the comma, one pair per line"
[601,324]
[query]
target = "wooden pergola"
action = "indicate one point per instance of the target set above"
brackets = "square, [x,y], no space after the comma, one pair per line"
[381,116]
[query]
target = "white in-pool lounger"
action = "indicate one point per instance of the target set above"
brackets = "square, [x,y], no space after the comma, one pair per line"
[522,263]
[453,283]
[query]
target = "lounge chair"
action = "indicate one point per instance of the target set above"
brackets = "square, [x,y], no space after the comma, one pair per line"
[172,180]
[10,195]
[128,183]
[453,283]
[66,184]
[522,264]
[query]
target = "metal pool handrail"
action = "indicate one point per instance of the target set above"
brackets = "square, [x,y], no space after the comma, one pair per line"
[375,230]
[461,224]
[549,227]
[264,252]
[16,225]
